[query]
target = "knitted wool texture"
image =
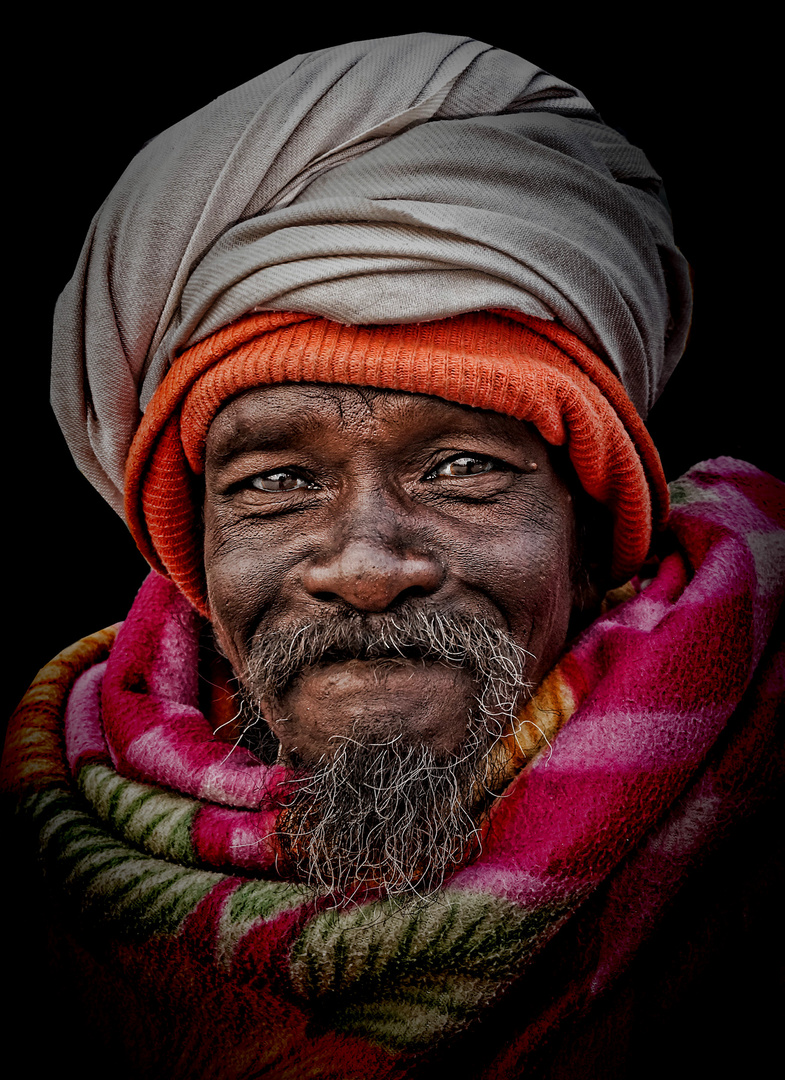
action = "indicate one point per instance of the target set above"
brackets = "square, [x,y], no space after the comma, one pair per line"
[513,364]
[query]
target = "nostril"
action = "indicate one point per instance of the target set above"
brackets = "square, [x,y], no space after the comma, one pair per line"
[370,578]
[411,592]
[325,597]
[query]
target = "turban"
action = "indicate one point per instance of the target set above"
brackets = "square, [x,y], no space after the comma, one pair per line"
[400,181]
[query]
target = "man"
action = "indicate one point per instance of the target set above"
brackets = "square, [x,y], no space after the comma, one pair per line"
[361,352]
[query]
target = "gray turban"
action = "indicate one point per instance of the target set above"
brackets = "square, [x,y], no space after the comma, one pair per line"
[393,181]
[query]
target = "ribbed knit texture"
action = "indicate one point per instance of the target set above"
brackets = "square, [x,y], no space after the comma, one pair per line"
[512,364]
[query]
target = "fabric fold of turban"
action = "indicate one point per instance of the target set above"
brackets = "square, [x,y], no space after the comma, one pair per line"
[398,181]
[509,363]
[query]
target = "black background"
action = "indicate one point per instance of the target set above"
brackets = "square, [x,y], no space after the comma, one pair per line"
[91,96]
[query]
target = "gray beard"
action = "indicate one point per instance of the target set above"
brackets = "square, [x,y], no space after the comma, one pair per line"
[389,816]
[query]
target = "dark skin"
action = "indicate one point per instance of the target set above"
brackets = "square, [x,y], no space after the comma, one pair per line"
[323,499]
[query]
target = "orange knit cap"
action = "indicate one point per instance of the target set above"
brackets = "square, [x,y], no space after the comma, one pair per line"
[524,367]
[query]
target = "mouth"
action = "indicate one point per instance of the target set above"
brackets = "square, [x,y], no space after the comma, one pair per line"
[366,672]
[392,670]
[370,665]
[419,675]
[367,658]
[376,651]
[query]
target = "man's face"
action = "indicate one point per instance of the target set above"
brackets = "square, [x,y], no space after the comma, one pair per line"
[332,513]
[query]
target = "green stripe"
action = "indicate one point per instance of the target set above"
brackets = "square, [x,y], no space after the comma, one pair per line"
[253,903]
[110,882]
[259,900]
[158,821]
[425,970]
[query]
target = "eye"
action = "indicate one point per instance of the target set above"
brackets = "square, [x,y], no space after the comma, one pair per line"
[281,480]
[466,465]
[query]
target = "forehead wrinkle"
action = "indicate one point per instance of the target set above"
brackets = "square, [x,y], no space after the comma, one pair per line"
[507,430]
[399,403]
[313,403]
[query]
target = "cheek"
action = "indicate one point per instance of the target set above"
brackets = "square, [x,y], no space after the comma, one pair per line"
[534,588]
[538,587]
[241,572]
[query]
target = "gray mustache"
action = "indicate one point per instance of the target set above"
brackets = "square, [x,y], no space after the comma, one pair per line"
[490,653]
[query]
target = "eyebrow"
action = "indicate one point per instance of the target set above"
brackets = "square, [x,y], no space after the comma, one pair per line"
[279,434]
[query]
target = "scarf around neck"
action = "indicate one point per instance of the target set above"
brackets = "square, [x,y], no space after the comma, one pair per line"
[206,963]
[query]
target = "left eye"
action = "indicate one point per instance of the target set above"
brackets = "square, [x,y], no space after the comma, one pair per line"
[280,480]
[465,465]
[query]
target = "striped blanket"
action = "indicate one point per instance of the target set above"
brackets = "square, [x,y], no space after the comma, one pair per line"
[196,960]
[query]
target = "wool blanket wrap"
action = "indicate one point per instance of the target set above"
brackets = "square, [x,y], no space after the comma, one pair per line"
[201,962]
[399,180]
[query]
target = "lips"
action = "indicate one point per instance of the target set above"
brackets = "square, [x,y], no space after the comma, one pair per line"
[279,656]
[375,662]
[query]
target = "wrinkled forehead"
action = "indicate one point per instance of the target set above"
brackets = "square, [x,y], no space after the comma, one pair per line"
[362,417]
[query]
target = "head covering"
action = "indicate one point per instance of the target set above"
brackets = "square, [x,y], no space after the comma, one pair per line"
[510,363]
[395,181]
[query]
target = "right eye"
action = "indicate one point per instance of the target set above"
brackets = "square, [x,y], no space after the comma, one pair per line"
[281,480]
[466,465]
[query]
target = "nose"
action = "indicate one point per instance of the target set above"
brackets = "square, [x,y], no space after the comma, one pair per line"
[372,576]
